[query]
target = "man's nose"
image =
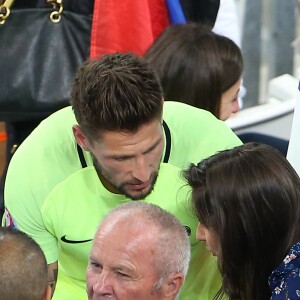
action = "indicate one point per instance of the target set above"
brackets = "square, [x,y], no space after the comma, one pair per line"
[103,285]
[200,234]
[141,169]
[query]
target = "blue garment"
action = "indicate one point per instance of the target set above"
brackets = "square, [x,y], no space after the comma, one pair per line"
[176,12]
[285,280]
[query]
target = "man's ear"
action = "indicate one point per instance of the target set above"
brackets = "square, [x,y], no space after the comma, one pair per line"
[48,292]
[80,138]
[172,285]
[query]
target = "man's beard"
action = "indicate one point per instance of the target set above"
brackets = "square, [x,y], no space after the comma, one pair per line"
[121,188]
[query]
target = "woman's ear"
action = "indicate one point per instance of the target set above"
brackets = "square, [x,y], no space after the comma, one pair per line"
[80,138]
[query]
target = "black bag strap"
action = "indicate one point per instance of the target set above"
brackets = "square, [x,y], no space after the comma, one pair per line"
[167,152]
[81,157]
[168,142]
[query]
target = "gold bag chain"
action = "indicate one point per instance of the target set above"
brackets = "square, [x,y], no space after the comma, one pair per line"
[5,10]
[55,15]
[57,5]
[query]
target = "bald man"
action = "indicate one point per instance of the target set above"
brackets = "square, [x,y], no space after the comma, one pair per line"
[140,252]
[23,268]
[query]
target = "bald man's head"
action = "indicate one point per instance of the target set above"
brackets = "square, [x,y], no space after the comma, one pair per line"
[23,268]
[144,252]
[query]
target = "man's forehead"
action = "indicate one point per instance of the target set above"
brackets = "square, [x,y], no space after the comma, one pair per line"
[128,224]
[124,140]
[127,241]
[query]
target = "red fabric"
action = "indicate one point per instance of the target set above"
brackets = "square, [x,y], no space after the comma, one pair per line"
[126,25]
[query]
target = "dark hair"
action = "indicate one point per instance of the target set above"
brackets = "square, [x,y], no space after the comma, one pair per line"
[249,196]
[195,65]
[115,92]
[23,267]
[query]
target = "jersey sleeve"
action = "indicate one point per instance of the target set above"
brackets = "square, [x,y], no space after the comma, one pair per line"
[23,211]
[45,158]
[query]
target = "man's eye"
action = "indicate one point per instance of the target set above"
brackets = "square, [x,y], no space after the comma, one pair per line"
[122,274]
[95,265]
[121,158]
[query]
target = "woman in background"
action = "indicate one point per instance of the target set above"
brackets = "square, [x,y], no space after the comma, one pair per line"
[201,68]
[248,202]
[198,67]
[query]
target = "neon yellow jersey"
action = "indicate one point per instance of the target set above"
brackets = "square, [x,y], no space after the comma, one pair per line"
[73,210]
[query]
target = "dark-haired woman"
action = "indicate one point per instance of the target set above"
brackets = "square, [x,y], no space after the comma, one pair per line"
[198,67]
[248,202]
[203,69]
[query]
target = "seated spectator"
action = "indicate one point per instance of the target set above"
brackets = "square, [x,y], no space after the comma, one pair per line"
[248,202]
[198,67]
[201,68]
[140,251]
[23,268]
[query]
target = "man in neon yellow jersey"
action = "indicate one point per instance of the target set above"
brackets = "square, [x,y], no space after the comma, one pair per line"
[52,196]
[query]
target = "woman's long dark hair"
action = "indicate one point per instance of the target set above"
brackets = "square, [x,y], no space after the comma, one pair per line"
[195,65]
[250,196]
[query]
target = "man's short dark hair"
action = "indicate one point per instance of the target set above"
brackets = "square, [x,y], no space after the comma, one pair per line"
[115,92]
[23,267]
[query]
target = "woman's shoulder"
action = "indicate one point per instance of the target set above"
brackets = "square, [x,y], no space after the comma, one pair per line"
[285,279]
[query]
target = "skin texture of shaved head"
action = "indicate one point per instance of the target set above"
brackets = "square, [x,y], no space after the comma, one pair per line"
[23,268]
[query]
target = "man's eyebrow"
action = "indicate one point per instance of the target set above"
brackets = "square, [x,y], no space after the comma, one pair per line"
[153,146]
[92,258]
[125,156]
[122,268]
[95,262]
